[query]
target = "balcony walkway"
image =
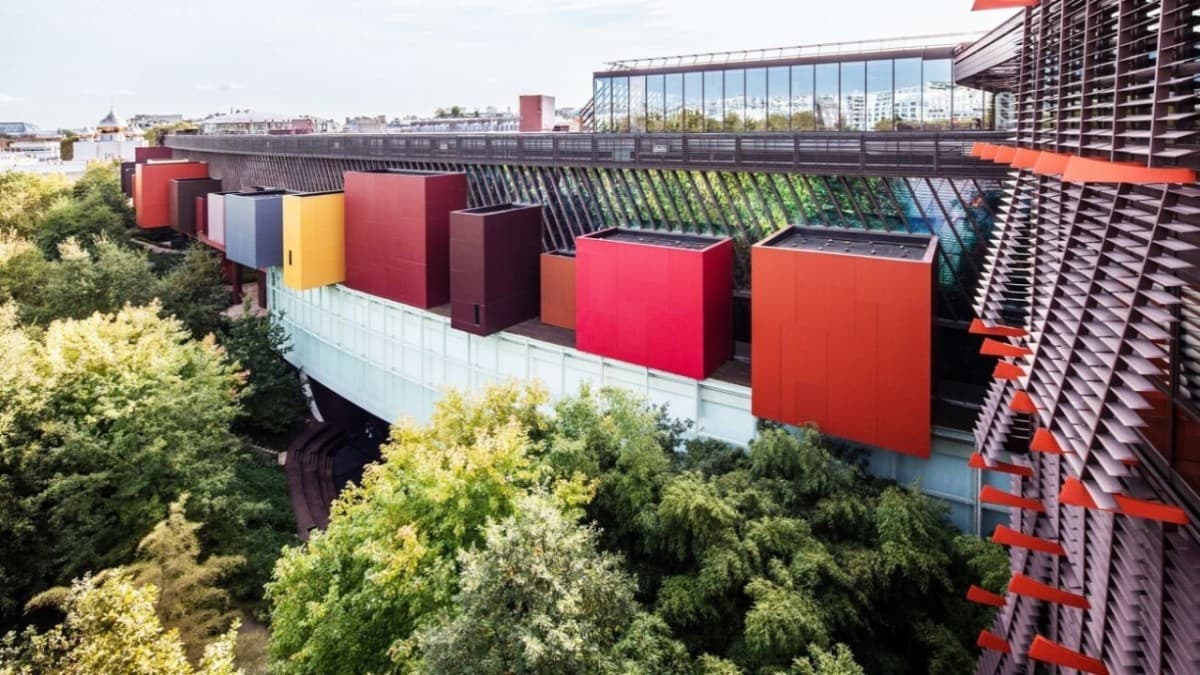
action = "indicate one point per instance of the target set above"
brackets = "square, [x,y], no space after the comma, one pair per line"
[911,154]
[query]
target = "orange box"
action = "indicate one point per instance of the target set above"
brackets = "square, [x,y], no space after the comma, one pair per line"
[841,334]
[558,290]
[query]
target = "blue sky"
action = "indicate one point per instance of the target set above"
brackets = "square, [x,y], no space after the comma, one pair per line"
[62,61]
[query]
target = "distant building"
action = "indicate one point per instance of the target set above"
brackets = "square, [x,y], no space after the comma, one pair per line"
[144,122]
[366,125]
[29,141]
[245,122]
[506,122]
[110,140]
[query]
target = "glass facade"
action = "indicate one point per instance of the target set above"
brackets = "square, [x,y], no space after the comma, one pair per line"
[905,94]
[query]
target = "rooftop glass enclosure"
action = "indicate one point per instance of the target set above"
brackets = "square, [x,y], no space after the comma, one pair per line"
[910,90]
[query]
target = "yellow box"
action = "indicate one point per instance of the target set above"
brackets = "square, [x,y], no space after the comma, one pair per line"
[314,239]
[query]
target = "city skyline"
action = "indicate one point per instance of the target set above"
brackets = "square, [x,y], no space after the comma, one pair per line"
[274,58]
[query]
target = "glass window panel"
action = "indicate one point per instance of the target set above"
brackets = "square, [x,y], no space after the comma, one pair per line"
[907,97]
[735,100]
[656,111]
[714,99]
[802,98]
[826,102]
[968,108]
[693,101]
[756,99]
[854,97]
[936,100]
[620,104]
[879,95]
[778,98]
[637,103]
[673,96]
[602,104]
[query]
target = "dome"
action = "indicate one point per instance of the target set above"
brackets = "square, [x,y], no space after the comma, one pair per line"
[111,121]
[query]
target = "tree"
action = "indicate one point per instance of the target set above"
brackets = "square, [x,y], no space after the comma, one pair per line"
[190,601]
[102,181]
[103,421]
[111,628]
[25,197]
[85,220]
[386,562]
[272,401]
[83,282]
[536,598]
[838,662]
[194,292]
[155,135]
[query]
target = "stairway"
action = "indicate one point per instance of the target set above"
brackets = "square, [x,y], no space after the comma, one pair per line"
[309,468]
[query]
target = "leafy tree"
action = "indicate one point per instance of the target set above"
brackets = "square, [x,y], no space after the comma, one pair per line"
[190,601]
[82,282]
[103,421]
[272,401]
[386,563]
[85,220]
[102,181]
[537,598]
[111,627]
[156,134]
[194,292]
[838,662]
[25,197]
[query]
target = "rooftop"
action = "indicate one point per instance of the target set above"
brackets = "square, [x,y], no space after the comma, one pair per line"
[829,49]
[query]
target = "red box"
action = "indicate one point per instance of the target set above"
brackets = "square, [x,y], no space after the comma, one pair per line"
[537,113]
[659,299]
[398,233]
[202,218]
[841,334]
[152,189]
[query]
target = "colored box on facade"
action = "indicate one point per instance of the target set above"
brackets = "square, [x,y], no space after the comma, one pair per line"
[254,228]
[152,189]
[398,233]
[658,299]
[201,215]
[558,289]
[128,169]
[537,113]
[494,254]
[314,237]
[149,152]
[184,192]
[842,325]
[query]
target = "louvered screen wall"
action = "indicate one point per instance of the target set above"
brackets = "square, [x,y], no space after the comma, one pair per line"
[1103,278]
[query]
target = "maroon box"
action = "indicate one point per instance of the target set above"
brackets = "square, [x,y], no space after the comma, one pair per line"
[494,257]
[398,233]
[658,299]
[146,153]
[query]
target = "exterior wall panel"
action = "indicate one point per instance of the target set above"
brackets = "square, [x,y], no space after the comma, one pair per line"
[843,340]
[149,152]
[494,266]
[655,304]
[183,194]
[397,233]
[314,238]
[152,189]
[558,289]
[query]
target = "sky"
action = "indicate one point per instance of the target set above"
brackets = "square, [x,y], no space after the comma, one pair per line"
[62,62]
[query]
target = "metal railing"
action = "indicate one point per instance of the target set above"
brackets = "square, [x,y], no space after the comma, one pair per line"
[895,153]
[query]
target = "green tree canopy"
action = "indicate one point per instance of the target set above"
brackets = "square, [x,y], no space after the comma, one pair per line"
[111,628]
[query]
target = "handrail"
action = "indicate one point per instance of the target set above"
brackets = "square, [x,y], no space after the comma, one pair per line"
[906,153]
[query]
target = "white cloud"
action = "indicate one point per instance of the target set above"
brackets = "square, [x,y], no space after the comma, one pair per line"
[8,98]
[220,86]
[108,92]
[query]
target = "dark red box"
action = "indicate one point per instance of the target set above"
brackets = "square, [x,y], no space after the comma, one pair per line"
[494,253]
[842,334]
[398,233]
[182,203]
[658,299]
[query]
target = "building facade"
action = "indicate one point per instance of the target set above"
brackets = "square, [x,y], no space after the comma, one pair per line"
[1047,171]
